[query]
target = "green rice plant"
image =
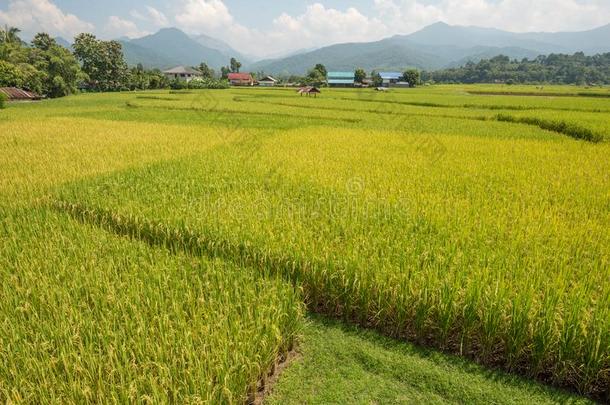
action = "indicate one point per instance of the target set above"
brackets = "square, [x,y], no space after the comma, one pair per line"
[91,317]
[562,127]
[402,254]
[416,212]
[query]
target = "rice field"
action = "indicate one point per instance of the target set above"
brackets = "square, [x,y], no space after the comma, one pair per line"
[165,245]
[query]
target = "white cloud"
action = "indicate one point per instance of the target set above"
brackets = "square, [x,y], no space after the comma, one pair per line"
[317,26]
[157,17]
[34,16]
[117,27]
[405,16]
[202,16]
[152,15]
[320,26]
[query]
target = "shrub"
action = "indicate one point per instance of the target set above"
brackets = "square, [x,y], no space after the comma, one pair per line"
[178,84]
[2,100]
[208,83]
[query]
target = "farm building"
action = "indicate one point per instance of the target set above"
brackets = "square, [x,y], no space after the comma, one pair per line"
[185,74]
[390,78]
[241,79]
[309,90]
[401,84]
[341,79]
[267,81]
[17,94]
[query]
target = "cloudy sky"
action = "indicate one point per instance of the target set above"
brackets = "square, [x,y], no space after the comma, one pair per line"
[267,27]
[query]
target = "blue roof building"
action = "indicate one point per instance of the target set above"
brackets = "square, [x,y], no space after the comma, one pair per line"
[341,79]
[390,75]
[390,78]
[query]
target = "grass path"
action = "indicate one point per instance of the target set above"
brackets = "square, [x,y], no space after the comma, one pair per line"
[342,364]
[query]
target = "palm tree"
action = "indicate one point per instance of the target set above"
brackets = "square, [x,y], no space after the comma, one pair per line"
[10,35]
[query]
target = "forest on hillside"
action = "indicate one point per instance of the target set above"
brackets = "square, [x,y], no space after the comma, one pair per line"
[555,68]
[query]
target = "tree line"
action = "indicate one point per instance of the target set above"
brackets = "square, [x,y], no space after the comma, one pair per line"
[577,69]
[317,76]
[45,67]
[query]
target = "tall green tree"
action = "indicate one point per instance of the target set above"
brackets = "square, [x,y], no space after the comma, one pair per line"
[317,75]
[224,72]
[359,75]
[322,69]
[15,67]
[554,68]
[206,71]
[102,61]
[377,80]
[10,35]
[60,67]
[235,65]
[411,76]
[12,48]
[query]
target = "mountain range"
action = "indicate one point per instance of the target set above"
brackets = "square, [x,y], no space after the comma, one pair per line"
[439,46]
[434,47]
[170,47]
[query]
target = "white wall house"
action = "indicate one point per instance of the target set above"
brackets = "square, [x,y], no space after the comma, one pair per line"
[185,74]
[267,81]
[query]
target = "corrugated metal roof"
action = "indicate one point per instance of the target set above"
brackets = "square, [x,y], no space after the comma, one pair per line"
[340,81]
[390,75]
[240,76]
[14,93]
[341,75]
[182,70]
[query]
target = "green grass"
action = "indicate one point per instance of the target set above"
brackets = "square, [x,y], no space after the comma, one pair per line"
[416,213]
[340,364]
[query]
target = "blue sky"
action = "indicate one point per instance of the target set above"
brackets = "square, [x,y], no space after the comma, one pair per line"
[271,27]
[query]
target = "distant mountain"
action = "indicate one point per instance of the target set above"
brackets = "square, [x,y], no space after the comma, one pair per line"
[476,54]
[149,58]
[590,42]
[223,48]
[444,35]
[385,54]
[441,34]
[286,54]
[170,47]
[63,42]
[437,46]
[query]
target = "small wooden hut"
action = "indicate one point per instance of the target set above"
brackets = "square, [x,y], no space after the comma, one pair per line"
[309,90]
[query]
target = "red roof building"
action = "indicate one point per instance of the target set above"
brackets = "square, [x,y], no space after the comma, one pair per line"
[241,79]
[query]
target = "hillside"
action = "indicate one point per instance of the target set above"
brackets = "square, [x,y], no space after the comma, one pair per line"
[227,50]
[385,54]
[149,58]
[171,46]
[440,45]
[63,42]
